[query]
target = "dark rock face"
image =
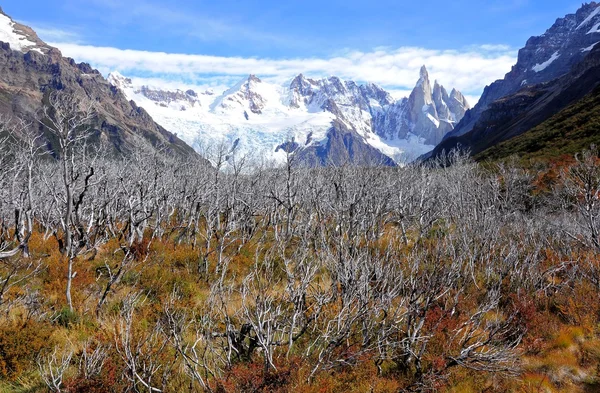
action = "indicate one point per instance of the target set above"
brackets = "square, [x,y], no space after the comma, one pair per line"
[516,114]
[27,79]
[343,147]
[543,59]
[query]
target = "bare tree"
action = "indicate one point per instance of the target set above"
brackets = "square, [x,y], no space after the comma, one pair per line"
[69,121]
[53,367]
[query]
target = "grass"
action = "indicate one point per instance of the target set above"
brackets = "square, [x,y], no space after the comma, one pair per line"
[568,132]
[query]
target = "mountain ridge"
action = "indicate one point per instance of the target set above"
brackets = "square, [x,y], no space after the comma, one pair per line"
[531,105]
[542,59]
[260,116]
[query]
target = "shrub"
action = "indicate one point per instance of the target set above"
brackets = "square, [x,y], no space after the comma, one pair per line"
[66,317]
[108,381]
[19,345]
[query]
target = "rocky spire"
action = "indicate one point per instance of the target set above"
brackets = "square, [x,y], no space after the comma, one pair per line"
[440,99]
[422,93]
[429,113]
[458,105]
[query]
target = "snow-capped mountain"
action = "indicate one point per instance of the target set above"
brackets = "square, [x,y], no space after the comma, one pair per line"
[544,58]
[265,119]
[20,38]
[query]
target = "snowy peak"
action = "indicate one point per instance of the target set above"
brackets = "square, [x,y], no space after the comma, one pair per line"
[21,38]
[253,79]
[176,99]
[355,103]
[301,91]
[440,99]
[422,90]
[431,112]
[250,95]
[424,75]
[118,80]
[259,117]
[374,92]
[458,105]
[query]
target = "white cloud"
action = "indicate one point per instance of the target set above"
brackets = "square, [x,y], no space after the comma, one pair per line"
[494,48]
[468,70]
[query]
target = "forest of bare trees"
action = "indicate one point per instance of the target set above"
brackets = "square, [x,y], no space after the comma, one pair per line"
[419,272]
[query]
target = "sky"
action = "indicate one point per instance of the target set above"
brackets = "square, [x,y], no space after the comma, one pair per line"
[465,44]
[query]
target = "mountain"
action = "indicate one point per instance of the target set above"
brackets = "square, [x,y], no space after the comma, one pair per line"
[430,112]
[323,121]
[571,109]
[535,90]
[30,70]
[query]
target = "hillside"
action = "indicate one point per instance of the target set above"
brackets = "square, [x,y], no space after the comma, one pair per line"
[513,115]
[542,59]
[570,131]
[523,104]
[31,71]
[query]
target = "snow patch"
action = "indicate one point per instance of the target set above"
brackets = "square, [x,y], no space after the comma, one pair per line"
[589,48]
[595,29]
[374,103]
[17,41]
[589,18]
[433,120]
[544,65]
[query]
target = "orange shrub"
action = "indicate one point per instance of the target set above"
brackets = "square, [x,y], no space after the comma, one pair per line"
[19,345]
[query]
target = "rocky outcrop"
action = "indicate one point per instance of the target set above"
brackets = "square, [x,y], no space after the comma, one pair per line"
[343,147]
[429,112]
[161,97]
[458,105]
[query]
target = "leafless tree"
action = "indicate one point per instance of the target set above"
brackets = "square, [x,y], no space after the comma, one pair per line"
[53,367]
[69,121]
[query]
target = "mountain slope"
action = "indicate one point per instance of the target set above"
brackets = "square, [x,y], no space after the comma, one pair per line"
[543,59]
[531,105]
[31,70]
[265,120]
[516,114]
[571,130]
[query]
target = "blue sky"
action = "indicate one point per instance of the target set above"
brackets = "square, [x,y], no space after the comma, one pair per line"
[278,37]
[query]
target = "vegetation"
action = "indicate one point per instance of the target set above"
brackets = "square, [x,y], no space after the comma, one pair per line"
[152,275]
[570,131]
